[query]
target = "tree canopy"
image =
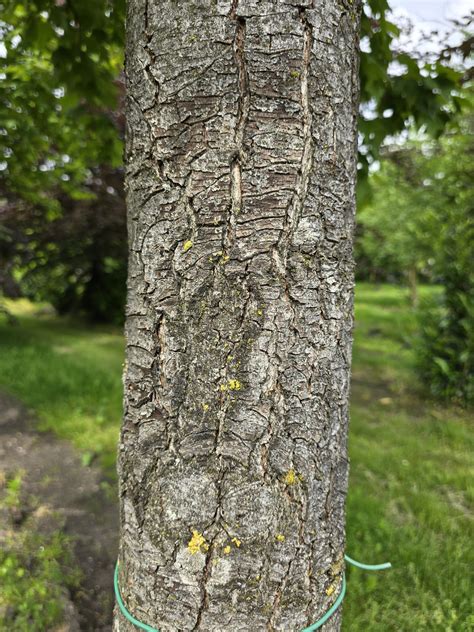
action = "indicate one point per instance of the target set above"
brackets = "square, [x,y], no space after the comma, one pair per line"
[59,95]
[61,103]
[61,130]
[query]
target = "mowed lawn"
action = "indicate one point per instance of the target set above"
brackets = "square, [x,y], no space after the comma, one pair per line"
[69,373]
[411,486]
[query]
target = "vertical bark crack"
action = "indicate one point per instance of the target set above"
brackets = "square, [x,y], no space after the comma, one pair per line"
[233,9]
[307,159]
[189,203]
[243,80]
[204,596]
[242,118]
[295,208]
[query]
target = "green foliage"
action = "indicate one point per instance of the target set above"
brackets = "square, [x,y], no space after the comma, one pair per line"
[85,275]
[421,223]
[58,82]
[446,346]
[61,154]
[33,581]
[396,232]
[60,85]
[34,571]
[398,90]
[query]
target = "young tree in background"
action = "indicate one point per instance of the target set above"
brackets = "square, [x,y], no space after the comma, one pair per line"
[241,164]
[420,222]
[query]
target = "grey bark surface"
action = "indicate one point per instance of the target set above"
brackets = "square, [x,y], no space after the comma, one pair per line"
[241,146]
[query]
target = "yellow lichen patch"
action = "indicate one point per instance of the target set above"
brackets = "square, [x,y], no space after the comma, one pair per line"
[205,407]
[290,477]
[232,385]
[197,542]
[336,568]
[280,537]
[237,542]
[227,550]
[187,245]
[219,257]
[330,590]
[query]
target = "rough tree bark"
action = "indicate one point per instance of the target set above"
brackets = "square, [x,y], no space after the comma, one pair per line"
[240,174]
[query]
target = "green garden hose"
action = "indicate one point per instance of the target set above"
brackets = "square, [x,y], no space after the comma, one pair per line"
[315,626]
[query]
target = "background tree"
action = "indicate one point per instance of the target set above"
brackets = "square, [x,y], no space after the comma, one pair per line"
[446,349]
[397,232]
[420,222]
[61,191]
[76,261]
[241,168]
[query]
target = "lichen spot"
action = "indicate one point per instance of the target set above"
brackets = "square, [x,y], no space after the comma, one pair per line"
[197,543]
[336,568]
[290,477]
[237,542]
[187,245]
[205,407]
[227,550]
[330,590]
[232,385]
[280,537]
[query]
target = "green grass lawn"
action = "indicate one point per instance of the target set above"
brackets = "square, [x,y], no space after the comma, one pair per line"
[70,374]
[411,485]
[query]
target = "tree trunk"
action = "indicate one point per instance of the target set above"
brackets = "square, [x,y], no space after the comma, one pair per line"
[412,277]
[240,175]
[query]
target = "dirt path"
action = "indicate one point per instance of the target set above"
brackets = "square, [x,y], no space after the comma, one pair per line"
[76,496]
